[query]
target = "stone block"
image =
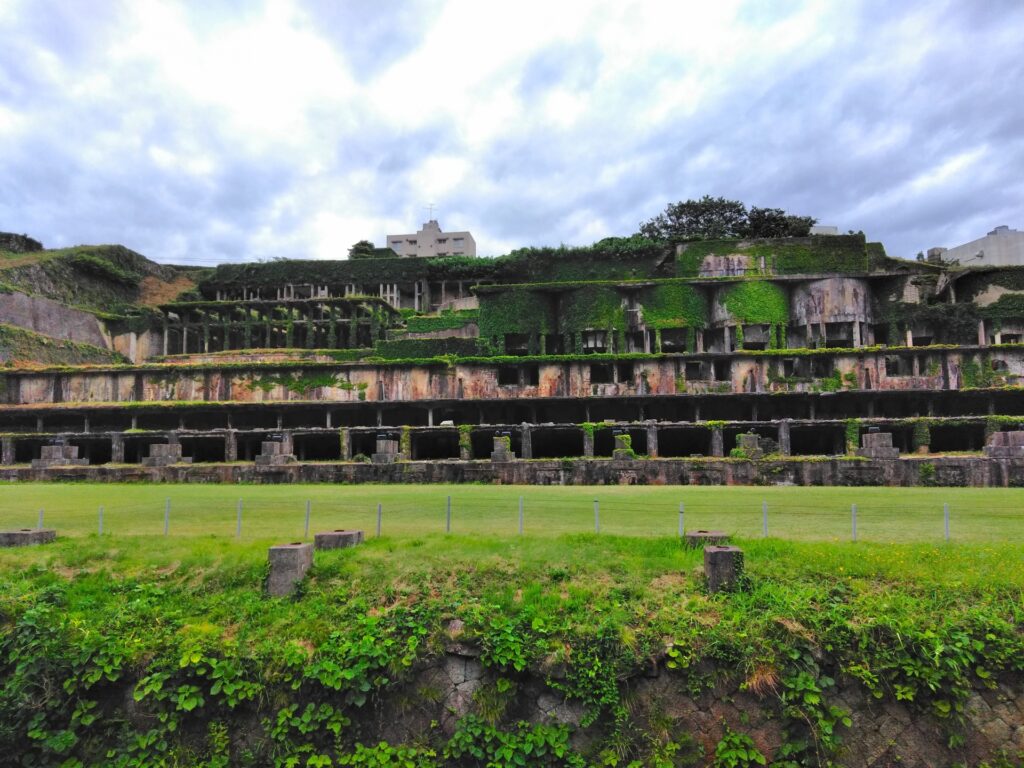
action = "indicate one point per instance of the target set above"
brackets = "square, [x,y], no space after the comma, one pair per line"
[288,566]
[1005,445]
[58,456]
[273,454]
[387,450]
[750,444]
[878,445]
[502,449]
[337,539]
[723,567]
[623,450]
[701,538]
[164,455]
[24,537]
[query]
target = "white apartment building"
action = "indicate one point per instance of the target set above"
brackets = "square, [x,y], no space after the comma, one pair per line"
[1002,247]
[431,241]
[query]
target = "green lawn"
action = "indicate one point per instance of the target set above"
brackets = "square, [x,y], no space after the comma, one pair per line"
[884,515]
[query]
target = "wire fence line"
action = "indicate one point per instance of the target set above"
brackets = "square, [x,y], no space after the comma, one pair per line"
[526,512]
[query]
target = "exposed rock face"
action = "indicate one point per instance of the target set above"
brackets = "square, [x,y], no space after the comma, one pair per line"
[13,243]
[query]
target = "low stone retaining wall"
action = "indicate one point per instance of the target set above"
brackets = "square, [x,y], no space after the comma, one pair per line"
[960,471]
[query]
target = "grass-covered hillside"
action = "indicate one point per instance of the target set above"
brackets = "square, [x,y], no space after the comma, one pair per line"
[21,348]
[547,649]
[103,278]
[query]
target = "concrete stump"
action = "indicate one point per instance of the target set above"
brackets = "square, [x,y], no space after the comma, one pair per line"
[387,450]
[164,455]
[695,539]
[27,536]
[58,456]
[273,454]
[878,445]
[723,566]
[288,565]
[623,450]
[1005,445]
[337,539]
[502,449]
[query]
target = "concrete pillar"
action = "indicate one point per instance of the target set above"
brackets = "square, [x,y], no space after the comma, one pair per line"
[700,340]
[811,409]
[288,566]
[753,411]
[166,334]
[85,424]
[856,333]
[999,337]
[785,444]
[117,449]
[588,444]
[430,417]
[380,417]
[981,333]
[7,450]
[652,441]
[917,365]
[910,338]
[723,567]
[345,437]
[717,442]
[231,446]
[39,423]
[327,420]
[526,441]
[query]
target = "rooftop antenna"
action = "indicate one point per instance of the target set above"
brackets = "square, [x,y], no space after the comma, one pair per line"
[430,208]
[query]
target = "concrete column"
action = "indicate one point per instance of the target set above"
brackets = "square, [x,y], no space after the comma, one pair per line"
[917,366]
[652,441]
[700,340]
[588,444]
[910,338]
[811,410]
[39,423]
[981,333]
[345,436]
[166,334]
[785,444]
[526,441]
[430,417]
[753,411]
[999,337]
[117,449]
[231,446]
[327,420]
[856,333]
[7,450]
[184,338]
[85,424]
[717,442]
[380,417]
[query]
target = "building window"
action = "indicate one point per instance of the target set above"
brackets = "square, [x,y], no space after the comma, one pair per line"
[594,342]
[601,374]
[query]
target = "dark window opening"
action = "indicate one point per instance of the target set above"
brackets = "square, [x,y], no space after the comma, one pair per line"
[517,344]
[755,337]
[1011,338]
[673,340]
[894,367]
[683,442]
[203,449]
[557,443]
[435,444]
[821,367]
[881,334]
[722,370]
[921,341]
[595,342]
[508,376]
[554,344]
[322,447]
[531,375]
[601,374]
[624,372]
[636,341]
[363,443]
[694,371]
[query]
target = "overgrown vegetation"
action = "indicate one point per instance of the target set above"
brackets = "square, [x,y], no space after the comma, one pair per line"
[166,652]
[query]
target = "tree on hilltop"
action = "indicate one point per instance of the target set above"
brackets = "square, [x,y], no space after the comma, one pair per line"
[364,249]
[711,218]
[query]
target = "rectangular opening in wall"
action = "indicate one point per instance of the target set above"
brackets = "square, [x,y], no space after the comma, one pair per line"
[822,367]
[722,370]
[508,376]
[624,372]
[636,341]
[673,340]
[594,342]
[839,335]
[517,343]
[601,373]
[531,375]
[694,371]
[554,344]
[922,341]
[755,337]
[894,366]
[1008,338]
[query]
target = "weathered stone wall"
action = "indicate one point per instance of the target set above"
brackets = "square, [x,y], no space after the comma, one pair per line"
[52,318]
[925,370]
[947,471]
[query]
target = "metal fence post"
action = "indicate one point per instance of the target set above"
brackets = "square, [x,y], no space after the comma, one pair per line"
[682,527]
[308,503]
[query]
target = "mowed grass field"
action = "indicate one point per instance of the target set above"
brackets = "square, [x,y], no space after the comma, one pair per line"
[277,512]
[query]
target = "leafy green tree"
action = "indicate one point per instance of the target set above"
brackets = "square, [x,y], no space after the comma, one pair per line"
[712,218]
[708,218]
[364,249]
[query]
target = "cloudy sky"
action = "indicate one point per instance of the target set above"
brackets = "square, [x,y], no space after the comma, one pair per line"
[197,132]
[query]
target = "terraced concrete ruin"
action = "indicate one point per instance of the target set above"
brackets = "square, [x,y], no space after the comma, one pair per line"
[814,360]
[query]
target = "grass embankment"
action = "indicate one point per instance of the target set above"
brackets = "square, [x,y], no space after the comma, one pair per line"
[223,675]
[810,514]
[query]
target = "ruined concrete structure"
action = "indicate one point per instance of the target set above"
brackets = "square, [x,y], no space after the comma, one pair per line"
[703,362]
